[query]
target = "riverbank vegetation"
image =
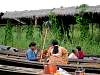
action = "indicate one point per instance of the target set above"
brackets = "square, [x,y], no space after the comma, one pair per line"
[84,33]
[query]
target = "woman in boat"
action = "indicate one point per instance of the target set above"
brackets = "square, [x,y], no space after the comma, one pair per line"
[32,52]
[73,55]
[80,53]
[57,54]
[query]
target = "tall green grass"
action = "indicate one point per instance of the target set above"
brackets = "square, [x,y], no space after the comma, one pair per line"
[89,46]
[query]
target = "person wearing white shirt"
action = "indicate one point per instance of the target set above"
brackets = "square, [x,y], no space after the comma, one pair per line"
[73,55]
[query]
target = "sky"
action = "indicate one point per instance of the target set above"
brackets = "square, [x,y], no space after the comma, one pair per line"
[21,5]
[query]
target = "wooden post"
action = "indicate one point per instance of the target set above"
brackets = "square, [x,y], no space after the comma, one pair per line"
[36,20]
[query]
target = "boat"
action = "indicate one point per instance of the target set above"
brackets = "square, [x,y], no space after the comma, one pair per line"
[15,70]
[89,66]
[18,59]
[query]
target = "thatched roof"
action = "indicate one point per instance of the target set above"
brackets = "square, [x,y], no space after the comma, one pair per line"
[45,12]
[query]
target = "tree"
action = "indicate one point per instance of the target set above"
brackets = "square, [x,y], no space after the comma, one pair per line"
[82,21]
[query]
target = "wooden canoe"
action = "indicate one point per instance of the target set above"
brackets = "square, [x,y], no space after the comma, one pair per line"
[15,70]
[96,59]
[89,67]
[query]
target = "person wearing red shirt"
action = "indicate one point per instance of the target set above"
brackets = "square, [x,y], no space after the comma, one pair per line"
[80,53]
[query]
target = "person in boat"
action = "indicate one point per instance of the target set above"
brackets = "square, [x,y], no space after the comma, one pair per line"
[80,53]
[73,55]
[57,54]
[32,52]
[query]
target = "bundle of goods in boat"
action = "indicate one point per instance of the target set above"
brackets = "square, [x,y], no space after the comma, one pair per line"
[61,71]
[52,69]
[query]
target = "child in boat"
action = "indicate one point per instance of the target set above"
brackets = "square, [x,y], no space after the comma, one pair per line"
[80,53]
[32,52]
[73,55]
[57,54]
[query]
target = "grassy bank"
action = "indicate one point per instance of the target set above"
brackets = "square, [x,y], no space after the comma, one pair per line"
[20,40]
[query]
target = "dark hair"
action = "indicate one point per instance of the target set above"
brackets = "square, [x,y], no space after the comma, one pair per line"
[79,48]
[55,49]
[54,42]
[73,51]
[32,44]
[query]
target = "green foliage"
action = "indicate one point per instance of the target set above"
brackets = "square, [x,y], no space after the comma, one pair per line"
[82,22]
[18,37]
[8,33]
[29,32]
[18,29]
[55,27]
[82,8]
[89,48]
[2,34]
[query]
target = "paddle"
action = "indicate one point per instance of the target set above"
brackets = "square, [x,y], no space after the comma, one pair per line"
[46,26]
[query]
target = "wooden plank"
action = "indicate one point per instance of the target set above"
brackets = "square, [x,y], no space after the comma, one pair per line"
[84,61]
[92,56]
[16,69]
[28,71]
[30,64]
[18,55]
